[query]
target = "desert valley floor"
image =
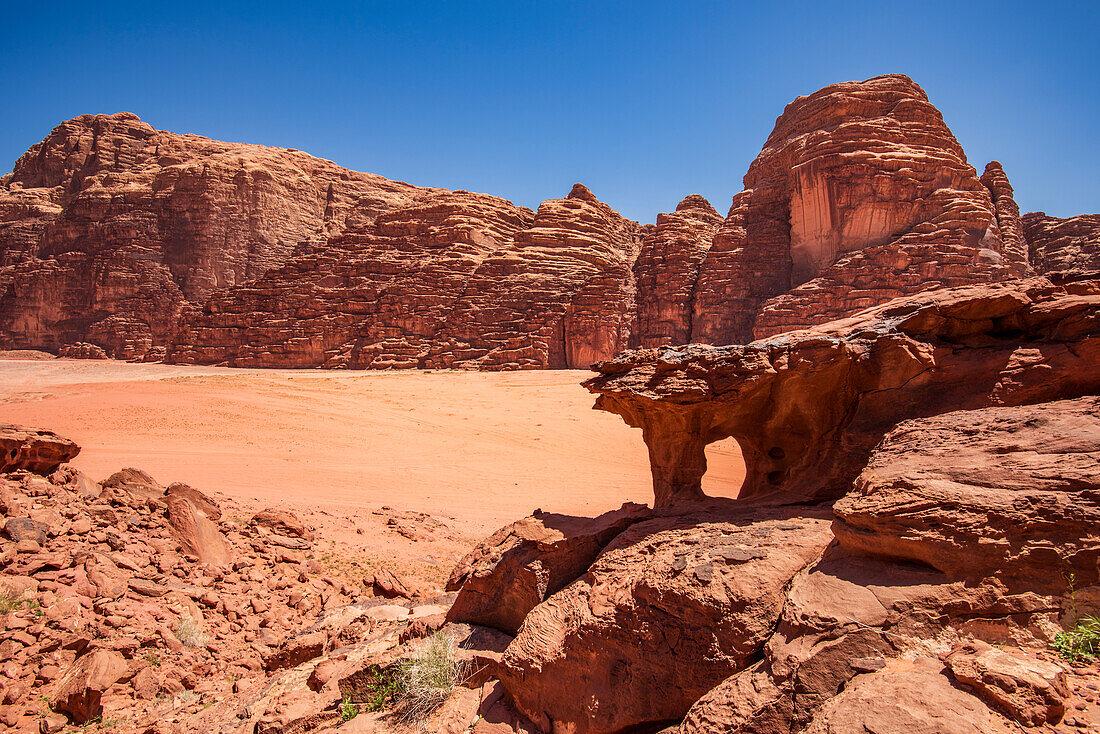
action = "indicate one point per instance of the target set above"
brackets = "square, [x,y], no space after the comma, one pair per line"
[483,448]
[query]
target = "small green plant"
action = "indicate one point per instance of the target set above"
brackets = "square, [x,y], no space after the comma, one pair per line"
[191,633]
[1081,642]
[348,710]
[381,689]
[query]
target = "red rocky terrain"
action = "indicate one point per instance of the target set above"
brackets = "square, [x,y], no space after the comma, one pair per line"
[122,241]
[917,526]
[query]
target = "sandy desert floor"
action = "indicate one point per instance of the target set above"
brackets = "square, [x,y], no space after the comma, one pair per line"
[480,448]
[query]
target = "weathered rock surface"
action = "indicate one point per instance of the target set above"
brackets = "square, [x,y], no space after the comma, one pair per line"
[33,449]
[79,691]
[1011,493]
[123,241]
[667,270]
[909,698]
[376,295]
[673,605]
[860,195]
[109,227]
[520,566]
[1057,245]
[807,408]
[1031,691]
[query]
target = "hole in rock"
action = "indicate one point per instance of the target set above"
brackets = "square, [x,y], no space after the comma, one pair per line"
[725,469]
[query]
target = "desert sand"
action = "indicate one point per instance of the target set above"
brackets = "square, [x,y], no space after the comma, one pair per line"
[483,448]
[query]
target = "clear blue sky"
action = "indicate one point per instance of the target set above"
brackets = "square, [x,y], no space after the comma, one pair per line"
[642,101]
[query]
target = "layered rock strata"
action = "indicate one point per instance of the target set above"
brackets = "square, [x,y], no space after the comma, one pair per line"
[1059,245]
[808,407]
[861,194]
[109,227]
[150,245]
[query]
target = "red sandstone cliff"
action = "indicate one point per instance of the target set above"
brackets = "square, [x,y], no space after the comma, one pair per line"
[140,242]
[108,227]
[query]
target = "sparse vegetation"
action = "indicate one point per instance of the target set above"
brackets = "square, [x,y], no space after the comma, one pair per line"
[1081,642]
[348,710]
[10,601]
[427,679]
[191,633]
[381,690]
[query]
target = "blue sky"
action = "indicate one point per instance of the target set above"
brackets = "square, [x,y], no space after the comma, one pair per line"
[643,102]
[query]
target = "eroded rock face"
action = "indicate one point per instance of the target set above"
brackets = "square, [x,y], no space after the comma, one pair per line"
[908,698]
[1055,244]
[377,295]
[33,449]
[109,227]
[120,240]
[1011,493]
[808,407]
[861,194]
[517,568]
[668,610]
[667,270]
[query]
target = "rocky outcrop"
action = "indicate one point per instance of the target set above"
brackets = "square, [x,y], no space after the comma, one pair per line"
[1058,245]
[520,566]
[590,658]
[667,270]
[119,239]
[33,449]
[1006,493]
[109,227]
[860,195]
[777,612]
[560,296]
[377,295]
[808,407]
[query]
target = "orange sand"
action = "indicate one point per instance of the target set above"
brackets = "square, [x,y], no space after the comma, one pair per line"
[484,448]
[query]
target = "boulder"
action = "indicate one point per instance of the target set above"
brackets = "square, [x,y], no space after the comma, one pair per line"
[19,529]
[673,604]
[198,535]
[137,484]
[281,521]
[1031,691]
[33,450]
[512,571]
[199,500]
[78,692]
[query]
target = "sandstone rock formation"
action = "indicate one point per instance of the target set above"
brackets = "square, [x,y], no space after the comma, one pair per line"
[1056,245]
[120,240]
[519,567]
[667,271]
[605,643]
[861,194]
[109,227]
[33,450]
[808,407]
[1018,490]
[961,431]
